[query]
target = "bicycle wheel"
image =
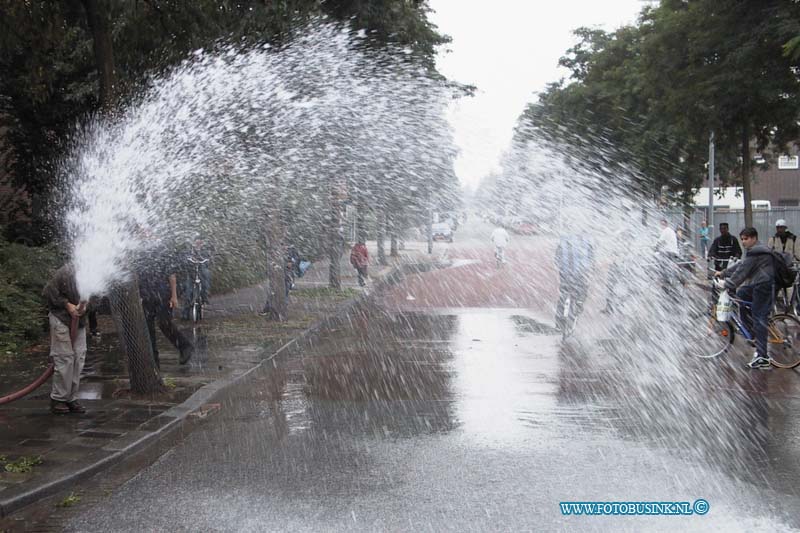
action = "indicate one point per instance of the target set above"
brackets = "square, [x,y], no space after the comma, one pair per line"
[567,322]
[711,339]
[783,339]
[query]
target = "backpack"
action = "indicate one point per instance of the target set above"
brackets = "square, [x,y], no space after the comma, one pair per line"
[782,264]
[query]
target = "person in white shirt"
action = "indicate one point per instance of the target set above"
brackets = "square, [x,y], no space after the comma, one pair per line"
[667,248]
[500,240]
[668,240]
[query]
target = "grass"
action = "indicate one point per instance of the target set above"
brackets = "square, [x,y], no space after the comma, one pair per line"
[23,464]
[297,323]
[254,328]
[170,383]
[326,292]
[69,501]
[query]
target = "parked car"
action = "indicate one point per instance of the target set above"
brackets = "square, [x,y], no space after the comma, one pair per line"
[442,232]
[525,228]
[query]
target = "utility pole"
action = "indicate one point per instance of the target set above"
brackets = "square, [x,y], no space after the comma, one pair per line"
[711,186]
[429,224]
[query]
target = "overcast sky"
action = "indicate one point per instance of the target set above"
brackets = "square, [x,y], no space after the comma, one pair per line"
[509,49]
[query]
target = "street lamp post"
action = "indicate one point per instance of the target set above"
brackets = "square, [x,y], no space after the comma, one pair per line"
[429,224]
[711,185]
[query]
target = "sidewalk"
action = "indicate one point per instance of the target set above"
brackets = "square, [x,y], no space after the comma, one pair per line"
[42,454]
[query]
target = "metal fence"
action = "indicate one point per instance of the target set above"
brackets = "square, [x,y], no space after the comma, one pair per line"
[763,220]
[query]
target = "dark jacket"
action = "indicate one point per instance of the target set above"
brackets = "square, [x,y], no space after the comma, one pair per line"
[725,247]
[784,243]
[62,288]
[153,269]
[756,268]
[574,258]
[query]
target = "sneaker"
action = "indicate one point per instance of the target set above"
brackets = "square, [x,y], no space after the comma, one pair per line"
[759,362]
[58,408]
[75,407]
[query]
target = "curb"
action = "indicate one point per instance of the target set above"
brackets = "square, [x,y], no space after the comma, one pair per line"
[175,417]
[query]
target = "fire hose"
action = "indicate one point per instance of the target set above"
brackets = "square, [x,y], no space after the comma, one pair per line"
[35,384]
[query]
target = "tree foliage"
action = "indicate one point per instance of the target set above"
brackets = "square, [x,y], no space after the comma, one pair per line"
[50,78]
[23,273]
[650,94]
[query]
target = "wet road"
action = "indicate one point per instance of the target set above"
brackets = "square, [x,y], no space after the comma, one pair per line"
[452,404]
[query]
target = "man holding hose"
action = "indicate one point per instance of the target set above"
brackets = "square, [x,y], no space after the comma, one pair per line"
[67,339]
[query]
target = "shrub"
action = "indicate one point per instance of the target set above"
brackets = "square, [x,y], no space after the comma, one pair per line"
[24,271]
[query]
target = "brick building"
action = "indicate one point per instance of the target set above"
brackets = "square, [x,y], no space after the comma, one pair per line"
[780,184]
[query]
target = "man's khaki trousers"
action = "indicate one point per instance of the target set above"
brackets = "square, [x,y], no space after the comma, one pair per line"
[68,360]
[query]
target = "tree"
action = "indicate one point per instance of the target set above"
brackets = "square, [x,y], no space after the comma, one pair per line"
[731,75]
[97,18]
[651,93]
[129,318]
[275,234]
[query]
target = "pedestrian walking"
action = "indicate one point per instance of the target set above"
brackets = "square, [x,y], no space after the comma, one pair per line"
[359,258]
[92,313]
[67,339]
[575,261]
[667,242]
[158,279]
[500,239]
[705,239]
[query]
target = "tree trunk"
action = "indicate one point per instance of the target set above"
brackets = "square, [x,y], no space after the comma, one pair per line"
[746,189]
[392,236]
[361,220]
[381,237]
[276,305]
[126,308]
[429,226]
[335,241]
[97,17]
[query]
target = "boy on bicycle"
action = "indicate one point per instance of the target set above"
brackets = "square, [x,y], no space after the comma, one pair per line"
[574,260]
[755,278]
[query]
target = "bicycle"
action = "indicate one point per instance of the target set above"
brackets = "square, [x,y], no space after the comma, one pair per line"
[567,319]
[196,311]
[783,335]
[567,322]
[788,300]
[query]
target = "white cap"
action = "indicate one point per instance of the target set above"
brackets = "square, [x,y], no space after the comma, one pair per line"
[780,222]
